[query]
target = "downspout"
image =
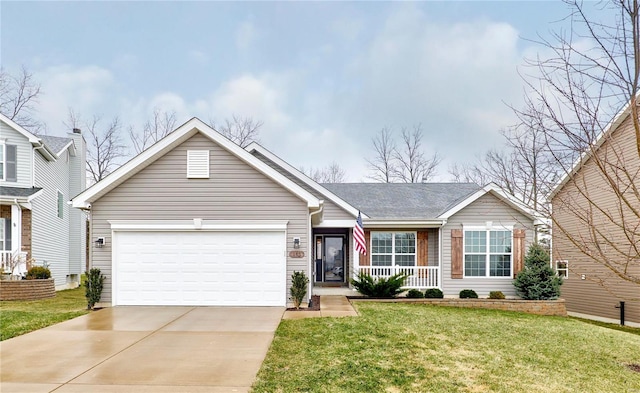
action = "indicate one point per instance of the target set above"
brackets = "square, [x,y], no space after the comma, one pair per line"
[312,243]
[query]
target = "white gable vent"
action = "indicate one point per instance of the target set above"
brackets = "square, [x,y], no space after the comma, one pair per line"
[197,164]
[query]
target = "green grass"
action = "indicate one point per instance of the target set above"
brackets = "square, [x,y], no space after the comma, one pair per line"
[422,348]
[23,316]
[615,326]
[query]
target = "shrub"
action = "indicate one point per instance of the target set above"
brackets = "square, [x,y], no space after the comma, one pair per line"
[537,281]
[381,287]
[93,286]
[433,293]
[38,273]
[496,295]
[415,294]
[299,282]
[468,294]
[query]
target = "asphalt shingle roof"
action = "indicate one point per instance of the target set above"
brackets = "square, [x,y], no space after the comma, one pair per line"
[403,201]
[56,143]
[18,192]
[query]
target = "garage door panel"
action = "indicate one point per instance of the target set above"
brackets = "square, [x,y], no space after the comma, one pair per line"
[200,268]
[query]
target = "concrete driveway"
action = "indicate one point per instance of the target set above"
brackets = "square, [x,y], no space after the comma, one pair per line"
[143,349]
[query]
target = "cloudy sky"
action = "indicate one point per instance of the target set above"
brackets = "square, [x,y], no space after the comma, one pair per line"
[323,77]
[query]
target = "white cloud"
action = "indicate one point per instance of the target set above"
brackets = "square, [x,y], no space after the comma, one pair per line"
[88,90]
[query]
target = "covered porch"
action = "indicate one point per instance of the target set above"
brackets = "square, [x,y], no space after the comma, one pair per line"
[413,252]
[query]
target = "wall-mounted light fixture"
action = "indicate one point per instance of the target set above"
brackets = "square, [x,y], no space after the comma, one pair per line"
[296,242]
[99,243]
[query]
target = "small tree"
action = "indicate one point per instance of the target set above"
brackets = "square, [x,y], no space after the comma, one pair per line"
[299,282]
[93,285]
[537,281]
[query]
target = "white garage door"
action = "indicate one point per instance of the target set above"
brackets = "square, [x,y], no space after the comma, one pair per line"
[200,268]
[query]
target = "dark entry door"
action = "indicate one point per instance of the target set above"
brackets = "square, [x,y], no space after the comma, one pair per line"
[330,258]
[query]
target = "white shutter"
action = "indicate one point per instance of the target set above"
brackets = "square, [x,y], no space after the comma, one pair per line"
[198,164]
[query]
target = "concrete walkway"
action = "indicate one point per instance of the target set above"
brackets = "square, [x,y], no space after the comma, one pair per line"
[143,349]
[330,306]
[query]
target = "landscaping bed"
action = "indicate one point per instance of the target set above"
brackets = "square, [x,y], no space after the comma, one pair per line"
[27,289]
[539,307]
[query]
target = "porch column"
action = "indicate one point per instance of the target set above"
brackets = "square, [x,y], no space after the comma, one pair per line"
[16,229]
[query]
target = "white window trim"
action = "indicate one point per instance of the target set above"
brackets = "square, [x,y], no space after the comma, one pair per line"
[486,228]
[393,249]
[565,269]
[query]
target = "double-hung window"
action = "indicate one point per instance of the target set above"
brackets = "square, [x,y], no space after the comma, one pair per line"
[487,252]
[8,162]
[393,248]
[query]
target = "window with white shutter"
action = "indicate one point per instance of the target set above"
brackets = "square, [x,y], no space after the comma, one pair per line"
[197,164]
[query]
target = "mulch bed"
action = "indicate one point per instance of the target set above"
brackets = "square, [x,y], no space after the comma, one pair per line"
[315,305]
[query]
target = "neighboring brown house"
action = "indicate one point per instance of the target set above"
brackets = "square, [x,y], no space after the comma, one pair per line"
[589,235]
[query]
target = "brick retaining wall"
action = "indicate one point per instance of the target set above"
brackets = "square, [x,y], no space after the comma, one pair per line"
[27,289]
[539,307]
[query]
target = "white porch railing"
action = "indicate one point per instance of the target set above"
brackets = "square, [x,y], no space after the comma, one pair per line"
[13,262]
[419,276]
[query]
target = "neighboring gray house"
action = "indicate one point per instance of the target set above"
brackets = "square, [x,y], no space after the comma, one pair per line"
[197,220]
[38,176]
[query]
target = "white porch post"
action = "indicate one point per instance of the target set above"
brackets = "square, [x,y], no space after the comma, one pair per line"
[16,229]
[355,257]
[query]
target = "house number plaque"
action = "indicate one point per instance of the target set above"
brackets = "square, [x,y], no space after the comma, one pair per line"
[296,254]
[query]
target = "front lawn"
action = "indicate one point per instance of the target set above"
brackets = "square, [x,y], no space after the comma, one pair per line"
[23,316]
[422,348]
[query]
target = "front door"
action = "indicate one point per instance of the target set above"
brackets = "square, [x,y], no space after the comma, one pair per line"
[330,258]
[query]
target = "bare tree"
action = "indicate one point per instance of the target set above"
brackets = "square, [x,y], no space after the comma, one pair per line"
[18,94]
[406,162]
[524,168]
[332,173]
[105,149]
[241,130]
[382,165]
[573,96]
[412,165]
[160,125]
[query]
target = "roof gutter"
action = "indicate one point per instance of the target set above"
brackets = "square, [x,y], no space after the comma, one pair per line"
[374,224]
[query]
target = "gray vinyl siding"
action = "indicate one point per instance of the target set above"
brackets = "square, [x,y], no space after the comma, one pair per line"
[234,191]
[77,218]
[485,208]
[50,234]
[601,290]
[23,155]
[330,210]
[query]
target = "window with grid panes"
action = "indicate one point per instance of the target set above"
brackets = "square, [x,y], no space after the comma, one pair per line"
[393,248]
[487,253]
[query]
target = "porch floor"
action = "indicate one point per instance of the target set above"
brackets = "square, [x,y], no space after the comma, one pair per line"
[330,306]
[334,291]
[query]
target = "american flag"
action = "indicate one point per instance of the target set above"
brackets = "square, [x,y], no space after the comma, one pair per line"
[358,236]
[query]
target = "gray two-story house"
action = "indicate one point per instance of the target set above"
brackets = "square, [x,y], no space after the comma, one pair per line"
[38,176]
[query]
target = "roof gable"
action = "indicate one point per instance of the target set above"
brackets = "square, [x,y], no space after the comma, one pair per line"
[33,139]
[617,120]
[494,190]
[168,143]
[304,180]
[58,144]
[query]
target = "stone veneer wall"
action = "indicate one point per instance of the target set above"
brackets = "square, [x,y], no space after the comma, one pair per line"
[27,289]
[539,307]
